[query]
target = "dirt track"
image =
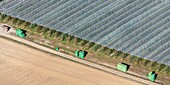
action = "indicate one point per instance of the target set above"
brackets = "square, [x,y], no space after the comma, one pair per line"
[22,65]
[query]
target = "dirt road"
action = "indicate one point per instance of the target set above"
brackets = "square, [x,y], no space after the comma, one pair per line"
[22,65]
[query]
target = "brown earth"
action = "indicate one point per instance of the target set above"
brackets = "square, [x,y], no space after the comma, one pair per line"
[22,65]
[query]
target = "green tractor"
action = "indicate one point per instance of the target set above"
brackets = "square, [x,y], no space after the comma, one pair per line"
[122,67]
[80,54]
[151,76]
[20,33]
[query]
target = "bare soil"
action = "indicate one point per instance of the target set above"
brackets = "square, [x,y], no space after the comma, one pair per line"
[22,65]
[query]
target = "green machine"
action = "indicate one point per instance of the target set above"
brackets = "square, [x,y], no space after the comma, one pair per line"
[122,67]
[80,54]
[20,33]
[57,48]
[77,53]
[151,76]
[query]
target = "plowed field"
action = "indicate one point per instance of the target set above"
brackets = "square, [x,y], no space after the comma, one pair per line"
[22,65]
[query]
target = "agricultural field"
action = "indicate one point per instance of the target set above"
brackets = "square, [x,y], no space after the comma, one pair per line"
[96,53]
[135,32]
[137,27]
[22,65]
